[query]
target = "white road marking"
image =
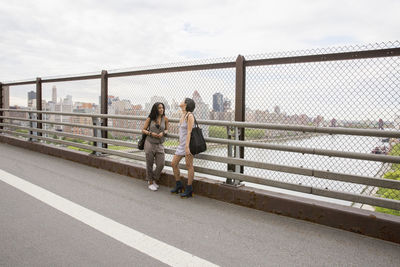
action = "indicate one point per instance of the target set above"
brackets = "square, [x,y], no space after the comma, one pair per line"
[154,248]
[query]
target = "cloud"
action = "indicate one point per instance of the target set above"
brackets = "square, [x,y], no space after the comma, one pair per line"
[48,38]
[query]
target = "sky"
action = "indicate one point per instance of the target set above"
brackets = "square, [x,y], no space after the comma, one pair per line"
[46,38]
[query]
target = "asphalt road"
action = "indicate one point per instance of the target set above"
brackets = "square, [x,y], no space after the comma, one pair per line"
[33,233]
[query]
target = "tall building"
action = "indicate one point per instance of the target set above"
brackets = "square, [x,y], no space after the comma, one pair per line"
[32,99]
[218,102]
[31,95]
[54,94]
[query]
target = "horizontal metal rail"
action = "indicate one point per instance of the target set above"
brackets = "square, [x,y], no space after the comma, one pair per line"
[212,66]
[302,150]
[71,78]
[357,179]
[79,125]
[266,126]
[391,52]
[375,201]
[83,137]
[311,151]
[249,163]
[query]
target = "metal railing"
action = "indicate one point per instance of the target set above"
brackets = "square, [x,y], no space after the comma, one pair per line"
[319,174]
[303,120]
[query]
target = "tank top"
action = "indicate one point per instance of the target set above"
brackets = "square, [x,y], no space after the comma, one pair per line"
[156,129]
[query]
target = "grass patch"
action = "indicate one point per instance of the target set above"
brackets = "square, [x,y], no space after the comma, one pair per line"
[169,143]
[22,131]
[79,149]
[220,132]
[393,174]
[112,147]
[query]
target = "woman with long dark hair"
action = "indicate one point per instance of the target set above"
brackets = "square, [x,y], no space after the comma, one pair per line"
[185,128]
[156,128]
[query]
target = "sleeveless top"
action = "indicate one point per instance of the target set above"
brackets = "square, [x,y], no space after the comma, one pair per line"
[156,129]
[183,131]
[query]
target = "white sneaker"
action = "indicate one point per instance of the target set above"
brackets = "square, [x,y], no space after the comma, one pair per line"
[156,185]
[152,187]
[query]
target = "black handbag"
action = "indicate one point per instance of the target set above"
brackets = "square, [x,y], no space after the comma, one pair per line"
[197,143]
[142,140]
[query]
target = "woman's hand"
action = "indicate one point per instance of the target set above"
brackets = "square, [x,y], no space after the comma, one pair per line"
[187,150]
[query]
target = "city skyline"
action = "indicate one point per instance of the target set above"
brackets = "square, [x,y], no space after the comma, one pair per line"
[204,111]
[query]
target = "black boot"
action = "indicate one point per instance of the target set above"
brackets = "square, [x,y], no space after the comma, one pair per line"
[178,188]
[188,191]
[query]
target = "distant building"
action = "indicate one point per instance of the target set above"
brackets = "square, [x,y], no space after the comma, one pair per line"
[31,95]
[54,94]
[227,105]
[218,102]
[32,99]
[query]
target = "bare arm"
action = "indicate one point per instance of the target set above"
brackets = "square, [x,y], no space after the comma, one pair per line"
[146,125]
[190,122]
[166,126]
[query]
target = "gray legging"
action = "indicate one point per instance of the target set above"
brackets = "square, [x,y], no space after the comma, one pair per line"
[154,152]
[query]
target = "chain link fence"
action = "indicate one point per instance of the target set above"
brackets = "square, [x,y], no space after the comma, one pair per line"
[358,93]
[362,93]
[135,95]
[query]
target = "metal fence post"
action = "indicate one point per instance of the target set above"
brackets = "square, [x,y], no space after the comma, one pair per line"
[1,104]
[240,103]
[231,167]
[104,104]
[97,133]
[39,103]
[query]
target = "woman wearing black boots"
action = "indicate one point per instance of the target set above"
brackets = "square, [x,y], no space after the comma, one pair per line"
[185,128]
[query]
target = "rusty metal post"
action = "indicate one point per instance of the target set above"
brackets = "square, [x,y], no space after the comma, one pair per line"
[39,102]
[104,103]
[1,103]
[240,103]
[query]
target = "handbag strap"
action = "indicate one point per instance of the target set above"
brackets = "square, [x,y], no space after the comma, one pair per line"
[195,121]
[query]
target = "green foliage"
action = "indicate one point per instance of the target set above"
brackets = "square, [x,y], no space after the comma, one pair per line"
[80,149]
[112,147]
[220,132]
[217,132]
[254,133]
[393,174]
[395,150]
[171,142]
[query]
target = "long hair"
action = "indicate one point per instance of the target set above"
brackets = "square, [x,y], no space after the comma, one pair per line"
[154,111]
